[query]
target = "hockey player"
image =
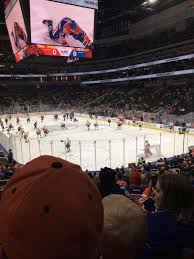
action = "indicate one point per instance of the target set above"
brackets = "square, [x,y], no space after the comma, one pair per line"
[2,126]
[42,118]
[75,120]
[119,125]
[68,145]
[10,126]
[171,126]
[56,116]
[35,125]
[18,34]
[184,129]
[28,119]
[90,114]
[109,122]
[26,137]
[19,129]
[10,117]
[96,125]
[64,116]
[140,125]
[22,132]
[6,120]
[63,125]
[17,120]
[147,149]
[65,28]
[45,131]
[88,124]
[38,133]
[72,115]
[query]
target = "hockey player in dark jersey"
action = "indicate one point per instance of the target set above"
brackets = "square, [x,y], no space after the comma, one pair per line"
[88,124]
[67,27]
[28,119]
[42,118]
[35,125]
[18,34]
[68,145]
[17,120]
[109,122]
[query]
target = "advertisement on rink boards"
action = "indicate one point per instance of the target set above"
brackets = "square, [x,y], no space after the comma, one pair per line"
[16,28]
[85,3]
[48,50]
[59,24]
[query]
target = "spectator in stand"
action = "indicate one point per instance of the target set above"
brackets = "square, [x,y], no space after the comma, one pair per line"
[107,184]
[134,190]
[121,182]
[125,228]
[146,201]
[171,228]
[135,179]
[10,156]
[50,209]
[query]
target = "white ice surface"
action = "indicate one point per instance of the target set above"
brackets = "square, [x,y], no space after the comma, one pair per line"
[95,148]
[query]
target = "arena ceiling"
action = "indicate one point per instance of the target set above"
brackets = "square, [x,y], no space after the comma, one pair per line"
[135,8]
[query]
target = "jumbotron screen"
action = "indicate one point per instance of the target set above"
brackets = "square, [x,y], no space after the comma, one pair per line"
[16,28]
[59,24]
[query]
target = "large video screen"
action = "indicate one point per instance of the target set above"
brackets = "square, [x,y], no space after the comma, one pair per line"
[60,24]
[16,28]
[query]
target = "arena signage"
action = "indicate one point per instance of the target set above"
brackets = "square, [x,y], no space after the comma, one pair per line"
[132,78]
[93,4]
[157,62]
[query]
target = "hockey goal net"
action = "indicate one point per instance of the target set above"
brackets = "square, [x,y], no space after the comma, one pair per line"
[153,150]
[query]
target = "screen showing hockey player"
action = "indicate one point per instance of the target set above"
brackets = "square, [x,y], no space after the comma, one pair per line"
[60,24]
[16,28]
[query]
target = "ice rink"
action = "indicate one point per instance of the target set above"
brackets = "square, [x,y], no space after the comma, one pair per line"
[93,149]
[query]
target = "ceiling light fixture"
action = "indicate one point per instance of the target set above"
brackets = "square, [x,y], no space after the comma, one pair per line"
[149,2]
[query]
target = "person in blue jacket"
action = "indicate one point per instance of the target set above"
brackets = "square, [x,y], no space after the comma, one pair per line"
[171,227]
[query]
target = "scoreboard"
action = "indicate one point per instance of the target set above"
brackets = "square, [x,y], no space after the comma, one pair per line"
[62,28]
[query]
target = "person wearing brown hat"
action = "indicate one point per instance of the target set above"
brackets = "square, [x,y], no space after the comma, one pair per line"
[50,209]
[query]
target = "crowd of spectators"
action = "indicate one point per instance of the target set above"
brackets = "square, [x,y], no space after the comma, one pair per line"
[111,181]
[147,99]
[148,210]
[8,166]
[107,101]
